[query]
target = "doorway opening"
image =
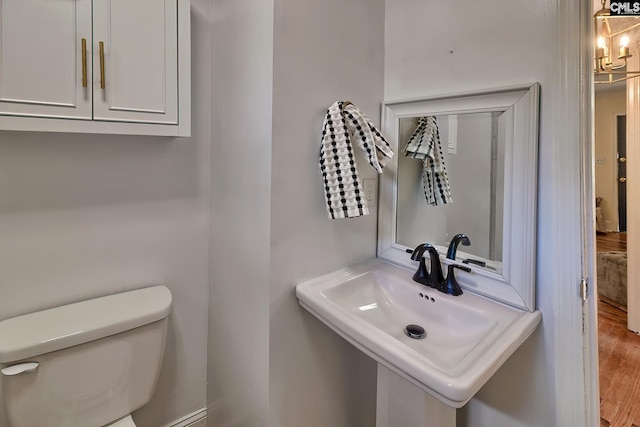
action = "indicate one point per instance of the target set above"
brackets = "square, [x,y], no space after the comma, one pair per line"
[618,347]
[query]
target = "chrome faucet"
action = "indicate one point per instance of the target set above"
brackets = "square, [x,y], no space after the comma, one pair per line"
[453,245]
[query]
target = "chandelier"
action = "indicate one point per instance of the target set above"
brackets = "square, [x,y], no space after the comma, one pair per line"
[613,34]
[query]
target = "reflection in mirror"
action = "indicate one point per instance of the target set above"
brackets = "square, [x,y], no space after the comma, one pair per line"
[488,146]
[473,154]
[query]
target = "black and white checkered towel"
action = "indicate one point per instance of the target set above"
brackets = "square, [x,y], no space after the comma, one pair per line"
[425,144]
[343,124]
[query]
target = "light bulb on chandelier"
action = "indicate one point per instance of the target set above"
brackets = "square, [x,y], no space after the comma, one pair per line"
[611,30]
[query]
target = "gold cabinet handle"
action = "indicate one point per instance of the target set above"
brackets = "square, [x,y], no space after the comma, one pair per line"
[84,62]
[102,82]
[622,179]
[622,159]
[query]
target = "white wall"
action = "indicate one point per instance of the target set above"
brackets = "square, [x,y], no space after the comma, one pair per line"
[323,52]
[88,215]
[274,75]
[451,47]
[241,120]
[608,105]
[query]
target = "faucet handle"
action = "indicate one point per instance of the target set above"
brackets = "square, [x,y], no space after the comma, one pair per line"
[477,262]
[451,285]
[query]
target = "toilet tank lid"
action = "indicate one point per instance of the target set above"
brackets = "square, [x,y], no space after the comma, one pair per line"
[69,325]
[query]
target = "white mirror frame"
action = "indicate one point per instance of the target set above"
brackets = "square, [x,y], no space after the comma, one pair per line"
[515,284]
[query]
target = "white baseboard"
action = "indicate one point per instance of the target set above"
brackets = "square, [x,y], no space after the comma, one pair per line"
[196,419]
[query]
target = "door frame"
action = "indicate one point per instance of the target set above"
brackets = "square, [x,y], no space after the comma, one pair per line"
[633,204]
[589,332]
[572,103]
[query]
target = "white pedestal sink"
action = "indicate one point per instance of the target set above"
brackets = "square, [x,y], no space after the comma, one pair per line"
[402,403]
[420,381]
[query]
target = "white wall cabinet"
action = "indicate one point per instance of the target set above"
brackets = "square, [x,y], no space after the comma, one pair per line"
[139,81]
[95,66]
[40,58]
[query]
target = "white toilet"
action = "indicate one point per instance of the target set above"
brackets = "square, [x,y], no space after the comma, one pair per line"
[88,364]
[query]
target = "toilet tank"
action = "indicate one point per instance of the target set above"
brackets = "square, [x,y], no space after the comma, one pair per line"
[85,364]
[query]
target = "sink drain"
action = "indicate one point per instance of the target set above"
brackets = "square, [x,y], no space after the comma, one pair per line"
[415,331]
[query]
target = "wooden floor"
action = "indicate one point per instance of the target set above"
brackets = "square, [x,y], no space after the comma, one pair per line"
[619,351]
[611,242]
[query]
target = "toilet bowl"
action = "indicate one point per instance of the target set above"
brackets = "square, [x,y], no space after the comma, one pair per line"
[88,364]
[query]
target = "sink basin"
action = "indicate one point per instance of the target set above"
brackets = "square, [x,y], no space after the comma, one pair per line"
[468,337]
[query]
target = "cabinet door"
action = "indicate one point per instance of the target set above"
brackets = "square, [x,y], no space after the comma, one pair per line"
[41,61]
[136,76]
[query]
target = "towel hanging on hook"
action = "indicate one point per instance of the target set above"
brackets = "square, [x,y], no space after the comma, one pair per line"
[425,144]
[343,190]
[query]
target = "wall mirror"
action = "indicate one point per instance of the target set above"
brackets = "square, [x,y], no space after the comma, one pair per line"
[489,150]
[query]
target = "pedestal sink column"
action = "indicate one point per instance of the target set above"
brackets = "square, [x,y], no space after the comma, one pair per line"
[401,403]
